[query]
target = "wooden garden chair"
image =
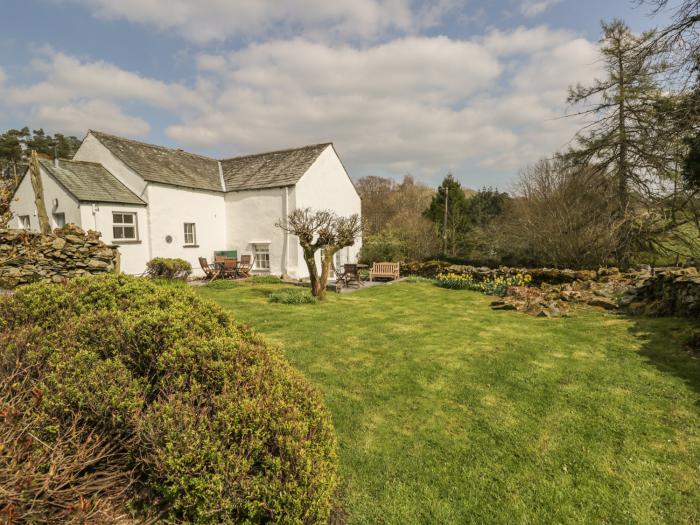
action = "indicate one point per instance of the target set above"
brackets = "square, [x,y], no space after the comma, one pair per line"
[230,268]
[209,272]
[350,274]
[245,265]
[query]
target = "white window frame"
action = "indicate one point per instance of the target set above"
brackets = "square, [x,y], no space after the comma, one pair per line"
[25,222]
[55,217]
[261,256]
[123,224]
[193,234]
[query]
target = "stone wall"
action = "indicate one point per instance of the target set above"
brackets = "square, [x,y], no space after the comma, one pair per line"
[664,291]
[27,257]
[667,292]
[539,275]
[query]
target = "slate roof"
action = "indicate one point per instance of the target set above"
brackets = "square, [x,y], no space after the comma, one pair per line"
[90,182]
[164,165]
[269,170]
[179,168]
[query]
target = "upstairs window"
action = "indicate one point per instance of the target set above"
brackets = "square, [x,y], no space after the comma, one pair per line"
[124,226]
[190,234]
[262,256]
[24,222]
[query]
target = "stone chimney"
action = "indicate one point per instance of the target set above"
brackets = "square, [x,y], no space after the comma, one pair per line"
[55,156]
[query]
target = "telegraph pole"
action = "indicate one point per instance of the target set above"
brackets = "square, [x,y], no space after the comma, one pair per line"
[444,225]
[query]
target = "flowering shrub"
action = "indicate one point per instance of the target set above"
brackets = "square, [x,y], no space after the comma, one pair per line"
[490,286]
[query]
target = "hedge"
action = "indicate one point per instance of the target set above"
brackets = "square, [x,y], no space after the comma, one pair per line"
[165,268]
[153,403]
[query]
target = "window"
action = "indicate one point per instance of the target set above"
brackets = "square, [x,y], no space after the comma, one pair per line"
[339,261]
[190,234]
[24,222]
[262,256]
[59,220]
[124,226]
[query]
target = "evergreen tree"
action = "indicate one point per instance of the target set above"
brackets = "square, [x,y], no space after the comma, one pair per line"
[450,213]
[628,137]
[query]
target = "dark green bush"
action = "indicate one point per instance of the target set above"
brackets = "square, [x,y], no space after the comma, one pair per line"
[205,422]
[292,296]
[164,268]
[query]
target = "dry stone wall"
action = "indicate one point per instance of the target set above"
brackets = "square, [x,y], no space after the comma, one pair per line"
[663,291]
[27,257]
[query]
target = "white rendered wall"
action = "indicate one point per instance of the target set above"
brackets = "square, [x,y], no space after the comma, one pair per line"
[251,217]
[134,254]
[92,150]
[327,186]
[23,202]
[171,207]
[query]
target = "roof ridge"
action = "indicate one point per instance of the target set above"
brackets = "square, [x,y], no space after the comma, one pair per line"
[157,146]
[277,151]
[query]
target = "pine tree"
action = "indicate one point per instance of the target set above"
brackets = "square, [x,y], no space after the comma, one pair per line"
[628,135]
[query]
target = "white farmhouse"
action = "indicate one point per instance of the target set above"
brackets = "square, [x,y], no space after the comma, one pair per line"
[154,201]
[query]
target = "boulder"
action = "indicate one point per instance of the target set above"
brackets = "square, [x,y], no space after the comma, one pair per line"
[601,302]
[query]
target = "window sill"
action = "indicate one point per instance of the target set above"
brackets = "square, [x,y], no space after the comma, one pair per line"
[118,242]
[190,245]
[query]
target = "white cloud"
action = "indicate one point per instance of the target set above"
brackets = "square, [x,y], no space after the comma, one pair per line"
[210,20]
[92,114]
[418,104]
[67,78]
[530,8]
[413,104]
[3,76]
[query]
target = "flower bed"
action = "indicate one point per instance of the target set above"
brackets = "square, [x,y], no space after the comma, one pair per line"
[489,286]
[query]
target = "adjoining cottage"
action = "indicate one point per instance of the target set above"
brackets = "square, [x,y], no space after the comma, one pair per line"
[154,201]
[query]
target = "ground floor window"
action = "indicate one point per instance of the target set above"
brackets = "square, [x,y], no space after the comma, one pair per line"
[24,222]
[339,261]
[190,234]
[262,256]
[59,220]
[124,226]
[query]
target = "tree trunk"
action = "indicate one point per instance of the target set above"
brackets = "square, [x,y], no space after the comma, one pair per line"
[622,162]
[313,272]
[326,262]
[38,188]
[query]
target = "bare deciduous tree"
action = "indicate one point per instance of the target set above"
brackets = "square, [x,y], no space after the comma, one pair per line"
[560,215]
[321,230]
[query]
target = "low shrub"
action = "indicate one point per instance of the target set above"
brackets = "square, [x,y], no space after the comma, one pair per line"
[292,296]
[265,279]
[164,268]
[489,286]
[123,397]
[418,279]
[223,284]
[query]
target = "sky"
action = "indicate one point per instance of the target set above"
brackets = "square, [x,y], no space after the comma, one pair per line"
[476,88]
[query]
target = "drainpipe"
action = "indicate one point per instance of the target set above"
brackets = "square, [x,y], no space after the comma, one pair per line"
[285,213]
[95,209]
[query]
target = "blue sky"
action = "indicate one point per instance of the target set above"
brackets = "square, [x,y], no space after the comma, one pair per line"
[400,86]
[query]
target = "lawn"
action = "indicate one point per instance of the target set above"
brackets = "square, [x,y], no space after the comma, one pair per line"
[448,412]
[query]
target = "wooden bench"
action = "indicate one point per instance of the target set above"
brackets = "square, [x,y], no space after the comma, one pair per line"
[386,270]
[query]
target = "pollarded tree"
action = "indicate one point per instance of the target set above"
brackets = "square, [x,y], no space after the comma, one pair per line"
[321,230]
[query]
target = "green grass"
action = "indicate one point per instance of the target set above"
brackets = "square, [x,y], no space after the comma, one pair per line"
[448,412]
